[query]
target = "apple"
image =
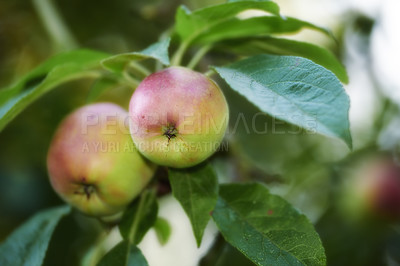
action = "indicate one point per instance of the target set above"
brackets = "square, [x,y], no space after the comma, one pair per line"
[382,188]
[178,117]
[92,162]
[373,189]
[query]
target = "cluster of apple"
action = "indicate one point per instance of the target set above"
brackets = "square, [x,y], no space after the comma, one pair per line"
[102,157]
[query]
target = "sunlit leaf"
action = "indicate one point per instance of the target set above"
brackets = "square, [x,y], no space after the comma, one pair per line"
[157,51]
[39,73]
[49,75]
[279,46]
[190,25]
[256,26]
[59,75]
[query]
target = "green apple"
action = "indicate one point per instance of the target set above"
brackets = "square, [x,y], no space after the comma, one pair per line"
[178,117]
[93,163]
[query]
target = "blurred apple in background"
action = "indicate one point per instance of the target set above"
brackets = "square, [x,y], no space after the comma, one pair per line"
[372,190]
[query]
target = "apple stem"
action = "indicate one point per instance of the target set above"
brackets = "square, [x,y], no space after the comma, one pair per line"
[198,56]
[56,27]
[177,58]
[138,67]
[209,72]
[130,80]
[139,214]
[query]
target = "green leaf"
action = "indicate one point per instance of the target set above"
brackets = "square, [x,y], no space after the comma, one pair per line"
[293,89]
[139,217]
[196,189]
[222,253]
[231,256]
[123,254]
[255,26]
[118,255]
[230,1]
[190,25]
[157,51]
[61,74]
[101,85]
[280,46]
[28,244]
[265,228]
[39,73]
[136,258]
[163,230]
[15,99]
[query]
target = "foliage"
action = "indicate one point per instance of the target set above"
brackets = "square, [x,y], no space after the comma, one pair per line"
[295,82]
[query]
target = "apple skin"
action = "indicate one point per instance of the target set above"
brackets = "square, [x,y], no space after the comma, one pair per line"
[373,190]
[382,189]
[92,162]
[178,117]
